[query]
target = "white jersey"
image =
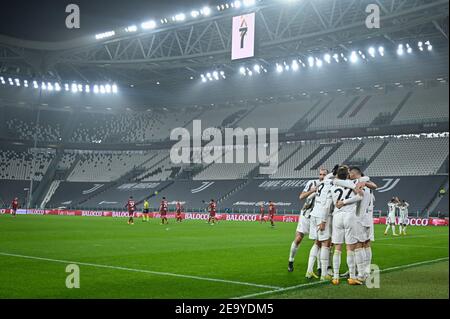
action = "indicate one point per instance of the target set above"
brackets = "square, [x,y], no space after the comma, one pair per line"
[392,208]
[404,210]
[340,193]
[310,200]
[323,199]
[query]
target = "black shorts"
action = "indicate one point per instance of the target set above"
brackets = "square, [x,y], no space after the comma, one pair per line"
[145,211]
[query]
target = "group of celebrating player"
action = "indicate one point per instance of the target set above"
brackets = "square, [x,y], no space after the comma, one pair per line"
[131,207]
[394,205]
[338,210]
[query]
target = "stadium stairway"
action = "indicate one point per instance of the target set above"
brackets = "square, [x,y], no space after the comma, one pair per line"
[303,123]
[309,158]
[400,106]
[357,149]
[234,190]
[51,191]
[436,199]
[348,107]
[360,106]
[43,187]
[326,156]
[375,155]
[140,201]
[320,111]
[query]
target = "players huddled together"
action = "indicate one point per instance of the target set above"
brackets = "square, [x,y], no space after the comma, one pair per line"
[401,206]
[338,210]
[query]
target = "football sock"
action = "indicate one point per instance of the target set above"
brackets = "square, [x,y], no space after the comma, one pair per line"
[351,264]
[312,257]
[324,260]
[336,263]
[293,251]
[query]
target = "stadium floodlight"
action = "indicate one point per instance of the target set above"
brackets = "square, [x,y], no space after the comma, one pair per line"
[35,85]
[336,57]
[242,70]
[250,73]
[96,89]
[131,28]
[102,89]
[311,61]
[114,88]
[43,86]
[108,88]
[257,68]
[57,87]
[195,13]
[208,75]
[237,4]
[10,81]
[25,83]
[295,65]
[104,35]
[400,49]
[17,82]
[354,57]
[381,51]
[327,58]
[80,87]
[371,52]
[204,79]
[409,49]
[148,25]
[66,87]
[206,11]
[279,68]
[227,5]
[74,88]
[319,63]
[87,88]
[49,86]
[248,3]
[2,80]
[180,17]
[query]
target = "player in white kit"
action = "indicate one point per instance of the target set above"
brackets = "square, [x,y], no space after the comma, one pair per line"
[390,221]
[308,193]
[364,219]
[344,229]
[403,218]
[320,227]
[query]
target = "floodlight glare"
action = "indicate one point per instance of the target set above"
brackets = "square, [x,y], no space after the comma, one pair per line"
[372,52]
[148,25]
[87,88]
[35,85]
[108,88]
[237,4]
[311,61]
[327,58]
[279,68]
[319,63]
[131,28]
[257,68]
[381,51]
[195,14]
[43,86]
[49,86]
[180,17]
[96,90]
[242,70]
[295,66]
[57,87]
[102,89]
[206,11]
[336,57]
[400,49]
[114,88]
[354,57]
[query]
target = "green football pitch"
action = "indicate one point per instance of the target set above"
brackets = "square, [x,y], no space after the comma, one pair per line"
[196,260]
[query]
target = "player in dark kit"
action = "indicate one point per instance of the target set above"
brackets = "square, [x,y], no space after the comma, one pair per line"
[163,208]
[272,212]
[212,208]
[261,212]
[14,206]
[178,212]
[131,207]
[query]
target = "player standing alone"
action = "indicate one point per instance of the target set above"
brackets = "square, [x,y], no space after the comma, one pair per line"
[14,206]
[261,213]
[390,221]
[272,212]
[131,207]
[178,212]
[163,208]
[212,207]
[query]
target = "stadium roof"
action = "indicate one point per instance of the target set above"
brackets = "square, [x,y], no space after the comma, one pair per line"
[178,51]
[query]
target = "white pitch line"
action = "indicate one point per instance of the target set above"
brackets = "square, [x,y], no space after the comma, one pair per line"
[413,246]
[142,271]
[316,283]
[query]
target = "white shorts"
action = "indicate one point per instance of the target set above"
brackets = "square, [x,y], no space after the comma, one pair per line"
[403,220]
[303,225]
[390,219]
[363,233]
[371,233]
[315,233]
[344,229]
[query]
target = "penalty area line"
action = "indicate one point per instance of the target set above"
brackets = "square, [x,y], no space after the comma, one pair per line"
[142,271]
[317,283]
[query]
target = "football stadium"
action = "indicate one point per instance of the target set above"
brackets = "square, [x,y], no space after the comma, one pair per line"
[253,149]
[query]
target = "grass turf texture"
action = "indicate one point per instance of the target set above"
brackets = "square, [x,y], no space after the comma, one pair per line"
[242,252]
